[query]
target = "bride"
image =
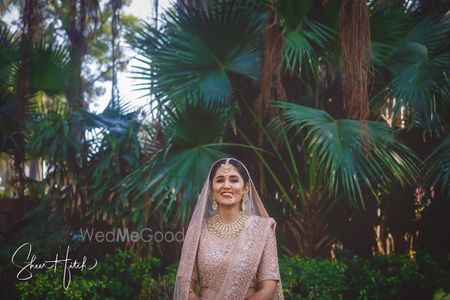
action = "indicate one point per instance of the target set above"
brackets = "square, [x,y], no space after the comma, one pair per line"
[229,250]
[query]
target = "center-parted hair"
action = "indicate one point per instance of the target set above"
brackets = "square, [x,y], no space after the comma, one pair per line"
[237,164]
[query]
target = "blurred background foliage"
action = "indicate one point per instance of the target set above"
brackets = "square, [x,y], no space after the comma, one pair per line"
[361,203]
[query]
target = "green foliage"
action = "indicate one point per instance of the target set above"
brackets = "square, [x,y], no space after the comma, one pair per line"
[198,50]
[41,227]
[395,277]
[437,167]
[119,276]
[50,68]
[9,55]
[440,294]
[411,51]
[106,148]
[337,146]
[378,277]
[304,37]
[192,134]
[311,278]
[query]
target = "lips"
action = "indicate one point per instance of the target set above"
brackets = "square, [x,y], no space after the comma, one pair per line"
[227,195]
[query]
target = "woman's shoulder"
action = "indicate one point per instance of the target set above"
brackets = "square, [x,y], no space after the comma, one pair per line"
[264,220]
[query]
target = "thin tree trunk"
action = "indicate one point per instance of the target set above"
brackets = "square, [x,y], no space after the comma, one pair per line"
[29,21]
[76,32]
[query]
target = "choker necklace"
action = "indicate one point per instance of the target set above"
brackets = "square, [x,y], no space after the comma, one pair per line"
[227,231]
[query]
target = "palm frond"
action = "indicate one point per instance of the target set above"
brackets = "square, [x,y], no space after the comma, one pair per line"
[197,50]
[175,175]
[302,34]
[417,57]
[50,68]
[9,56]
[341,161]
[437,167]
[388,28]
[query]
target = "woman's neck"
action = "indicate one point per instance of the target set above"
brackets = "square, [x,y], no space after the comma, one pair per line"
[229,214]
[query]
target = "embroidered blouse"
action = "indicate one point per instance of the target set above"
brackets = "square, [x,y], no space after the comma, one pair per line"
[213,250]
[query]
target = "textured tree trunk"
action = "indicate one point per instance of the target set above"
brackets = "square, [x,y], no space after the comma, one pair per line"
[29,21]
[309,231]
[356,52]
[356,55]
[78,37]
[271,82]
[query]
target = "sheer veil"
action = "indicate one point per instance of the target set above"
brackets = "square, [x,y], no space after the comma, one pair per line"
[202,210]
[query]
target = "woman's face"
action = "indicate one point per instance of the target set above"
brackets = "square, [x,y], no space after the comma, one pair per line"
[228,187]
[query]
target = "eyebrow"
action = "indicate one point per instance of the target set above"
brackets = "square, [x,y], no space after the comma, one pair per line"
[231,176]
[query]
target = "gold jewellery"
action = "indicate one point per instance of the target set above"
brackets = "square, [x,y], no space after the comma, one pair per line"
[244,203]
[226,166]
[227,231]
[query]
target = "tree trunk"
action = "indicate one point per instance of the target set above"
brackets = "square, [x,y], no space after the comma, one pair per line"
[76,31]
[309,231]
[29,21]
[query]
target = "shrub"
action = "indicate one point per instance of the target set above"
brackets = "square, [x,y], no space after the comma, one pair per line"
[394,277]
[379,277]
[312,278]
[119,276]
[123,276]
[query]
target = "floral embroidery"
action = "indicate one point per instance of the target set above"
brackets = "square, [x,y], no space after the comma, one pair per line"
[213,251]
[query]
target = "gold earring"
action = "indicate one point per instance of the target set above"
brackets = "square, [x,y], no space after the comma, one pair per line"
[214,205]
[244,202]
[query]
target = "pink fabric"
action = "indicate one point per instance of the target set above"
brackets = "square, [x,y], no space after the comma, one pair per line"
[213,250]
[251,258]
[213,253]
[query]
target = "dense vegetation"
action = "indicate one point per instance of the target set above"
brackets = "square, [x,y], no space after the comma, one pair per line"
[343,120]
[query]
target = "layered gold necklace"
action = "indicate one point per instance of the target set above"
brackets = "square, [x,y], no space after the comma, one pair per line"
[224,230]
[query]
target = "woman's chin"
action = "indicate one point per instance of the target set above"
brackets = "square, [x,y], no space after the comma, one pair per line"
[228,202]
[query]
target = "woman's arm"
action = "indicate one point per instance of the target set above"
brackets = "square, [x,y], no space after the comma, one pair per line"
[268,273]
[266,290]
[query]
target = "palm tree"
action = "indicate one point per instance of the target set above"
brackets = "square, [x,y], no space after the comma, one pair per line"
[215,54]
[29,82]
[437,168]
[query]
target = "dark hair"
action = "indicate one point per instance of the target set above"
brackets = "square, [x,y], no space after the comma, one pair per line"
[239,167]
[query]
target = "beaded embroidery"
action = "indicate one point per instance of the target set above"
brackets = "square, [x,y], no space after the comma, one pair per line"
[213,251]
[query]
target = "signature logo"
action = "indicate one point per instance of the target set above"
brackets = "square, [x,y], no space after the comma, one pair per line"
[30,263]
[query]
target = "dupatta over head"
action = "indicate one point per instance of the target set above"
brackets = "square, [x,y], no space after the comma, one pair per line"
[232,279]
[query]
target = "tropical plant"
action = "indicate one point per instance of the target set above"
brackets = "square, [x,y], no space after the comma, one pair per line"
[175,173]
[337,168]
[201,51]
[411,52]
[85,170]
[337,164]
[437,167]
[194,65]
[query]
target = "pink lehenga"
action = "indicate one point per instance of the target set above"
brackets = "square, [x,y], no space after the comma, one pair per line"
[228,267]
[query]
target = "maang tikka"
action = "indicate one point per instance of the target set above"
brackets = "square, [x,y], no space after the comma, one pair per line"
[226,166]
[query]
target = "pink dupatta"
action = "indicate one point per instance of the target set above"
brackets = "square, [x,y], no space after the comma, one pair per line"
[233,277]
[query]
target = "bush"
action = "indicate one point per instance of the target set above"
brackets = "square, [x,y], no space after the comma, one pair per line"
[312,278]
[119,276]
[378,277]
[122,276]
[395,277]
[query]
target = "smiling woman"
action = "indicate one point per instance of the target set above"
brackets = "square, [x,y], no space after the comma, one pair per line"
[230,247]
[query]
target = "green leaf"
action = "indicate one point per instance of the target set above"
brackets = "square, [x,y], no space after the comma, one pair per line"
[342,162]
